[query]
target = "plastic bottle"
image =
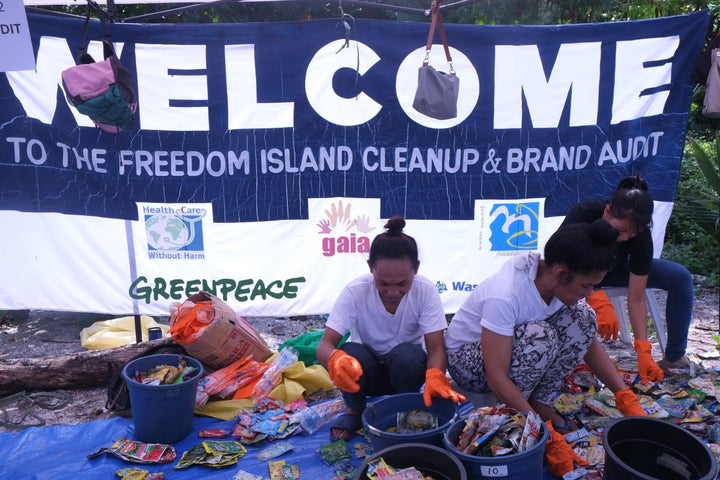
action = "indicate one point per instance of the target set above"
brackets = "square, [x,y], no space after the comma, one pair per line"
[315,416]
[286,357]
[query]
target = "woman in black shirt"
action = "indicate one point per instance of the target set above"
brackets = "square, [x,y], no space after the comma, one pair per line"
[630,210]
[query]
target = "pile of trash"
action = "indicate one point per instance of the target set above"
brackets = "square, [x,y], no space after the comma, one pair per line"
[688,398]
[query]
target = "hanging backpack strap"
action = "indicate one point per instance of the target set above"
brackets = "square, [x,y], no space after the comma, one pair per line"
[443,37]
[83,56]
[104,17]
[436,21]
[702,65]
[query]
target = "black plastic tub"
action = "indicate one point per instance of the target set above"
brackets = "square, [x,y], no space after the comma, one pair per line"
[641,448]
[430,460]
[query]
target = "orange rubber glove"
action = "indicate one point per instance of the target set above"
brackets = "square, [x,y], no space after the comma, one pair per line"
[607,321]
[438,385]
[559,455]
[344,371]
[647,368]
[627,402]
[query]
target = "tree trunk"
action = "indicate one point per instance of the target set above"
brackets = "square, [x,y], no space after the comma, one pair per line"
[79,370]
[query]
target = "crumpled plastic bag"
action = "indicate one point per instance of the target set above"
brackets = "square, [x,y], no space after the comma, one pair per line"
[224,382]
[190,318]
[117,332]
[297,380]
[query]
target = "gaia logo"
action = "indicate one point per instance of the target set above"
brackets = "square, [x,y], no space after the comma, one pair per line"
[342,232]
[514,226]
[171,229]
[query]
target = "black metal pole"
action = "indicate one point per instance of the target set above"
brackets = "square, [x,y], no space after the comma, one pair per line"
[138,329]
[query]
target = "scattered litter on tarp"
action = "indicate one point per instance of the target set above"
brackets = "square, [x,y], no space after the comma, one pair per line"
[138,452]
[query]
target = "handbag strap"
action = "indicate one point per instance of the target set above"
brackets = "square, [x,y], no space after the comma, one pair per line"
[437,21]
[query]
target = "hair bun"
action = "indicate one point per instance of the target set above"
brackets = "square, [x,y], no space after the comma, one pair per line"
[395,225]
[602,233]
[633,181]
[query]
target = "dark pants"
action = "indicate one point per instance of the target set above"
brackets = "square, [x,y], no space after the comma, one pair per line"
[677,281]
[402,370]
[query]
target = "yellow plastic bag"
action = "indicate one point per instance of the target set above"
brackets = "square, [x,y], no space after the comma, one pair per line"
[297,380]
[117,332]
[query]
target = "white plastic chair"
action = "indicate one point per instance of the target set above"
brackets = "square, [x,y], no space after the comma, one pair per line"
[617,295]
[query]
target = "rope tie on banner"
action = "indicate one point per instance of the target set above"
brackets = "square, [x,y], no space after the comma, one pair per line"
[348,32]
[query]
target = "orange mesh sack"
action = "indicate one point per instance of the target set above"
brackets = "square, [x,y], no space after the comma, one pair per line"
[213,333]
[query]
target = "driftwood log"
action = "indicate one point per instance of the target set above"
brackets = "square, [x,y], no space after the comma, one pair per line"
[79,370]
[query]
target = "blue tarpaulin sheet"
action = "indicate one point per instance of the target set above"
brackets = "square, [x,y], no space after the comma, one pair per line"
[60,452]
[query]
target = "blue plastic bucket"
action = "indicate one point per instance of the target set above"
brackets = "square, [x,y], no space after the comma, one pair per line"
[432,461]
[643,448]
[527,465]
[161,413]
[381,415]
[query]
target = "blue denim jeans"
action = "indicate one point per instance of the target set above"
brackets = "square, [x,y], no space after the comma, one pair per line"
[677,281]
[402,370]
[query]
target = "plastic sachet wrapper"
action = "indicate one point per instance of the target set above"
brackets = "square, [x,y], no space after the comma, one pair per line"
[165,374]
[190,457]
[480,426]
[268,419]
[243,475]
[274,450]
[362,449]
[215,433]
[415,421]
[212,453]
[498,431]
[271,377]
[138,452]
[333,452]
[378,468]
[314,417]
[568,403]
[600,407]
[410,473]
[337,454]
[139,474]
[531,432]
[676,408]
[280,470]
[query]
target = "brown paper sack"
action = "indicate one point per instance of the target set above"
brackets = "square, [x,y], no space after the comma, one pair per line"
[227,338]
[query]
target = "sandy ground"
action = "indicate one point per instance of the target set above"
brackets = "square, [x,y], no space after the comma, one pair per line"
[44,334]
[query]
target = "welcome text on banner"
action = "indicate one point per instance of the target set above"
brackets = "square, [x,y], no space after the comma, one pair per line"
[264,157]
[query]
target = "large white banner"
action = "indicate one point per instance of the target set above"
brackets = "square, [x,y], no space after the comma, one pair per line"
[264,158]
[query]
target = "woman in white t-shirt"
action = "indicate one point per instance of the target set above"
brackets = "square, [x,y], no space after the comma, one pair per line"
[524,329]
[396,323]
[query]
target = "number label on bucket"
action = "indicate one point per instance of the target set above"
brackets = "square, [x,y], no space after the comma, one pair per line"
[494,470]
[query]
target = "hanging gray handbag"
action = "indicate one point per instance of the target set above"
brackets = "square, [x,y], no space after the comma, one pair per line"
[437,92]
[711,101]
